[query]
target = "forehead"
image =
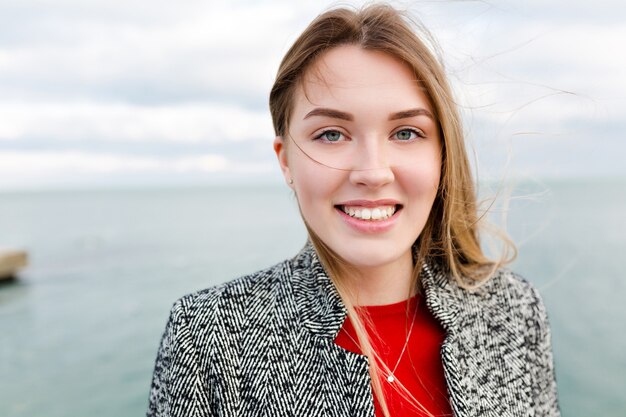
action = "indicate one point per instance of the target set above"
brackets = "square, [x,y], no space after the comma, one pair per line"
[350,76]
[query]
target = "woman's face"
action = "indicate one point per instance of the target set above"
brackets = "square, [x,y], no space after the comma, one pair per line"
[372,210]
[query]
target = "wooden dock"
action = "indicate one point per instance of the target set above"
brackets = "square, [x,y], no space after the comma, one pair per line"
[11,261]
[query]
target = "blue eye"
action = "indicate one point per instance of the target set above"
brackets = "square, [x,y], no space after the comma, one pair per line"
[330,135]
[405,135]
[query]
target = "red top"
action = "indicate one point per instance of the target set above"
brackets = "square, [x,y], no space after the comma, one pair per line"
[420,369]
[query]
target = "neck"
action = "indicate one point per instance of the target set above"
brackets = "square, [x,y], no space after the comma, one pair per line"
[384,284]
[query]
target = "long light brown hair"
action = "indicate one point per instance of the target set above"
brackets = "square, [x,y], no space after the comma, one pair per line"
[450,238]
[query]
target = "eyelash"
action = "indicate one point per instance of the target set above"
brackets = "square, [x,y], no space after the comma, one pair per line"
[317,137]
[418,133]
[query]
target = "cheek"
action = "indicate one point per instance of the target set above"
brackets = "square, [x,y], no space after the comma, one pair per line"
[434,167]
[423,178]
[314,186]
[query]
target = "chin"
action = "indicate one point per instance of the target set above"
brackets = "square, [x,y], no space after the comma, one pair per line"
[371,257]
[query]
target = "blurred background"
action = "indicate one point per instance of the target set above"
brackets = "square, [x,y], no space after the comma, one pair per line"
[136,166]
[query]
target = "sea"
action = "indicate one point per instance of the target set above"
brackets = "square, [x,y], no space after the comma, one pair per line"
[80,326]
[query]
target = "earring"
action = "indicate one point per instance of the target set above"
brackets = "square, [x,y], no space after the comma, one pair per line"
[290,181]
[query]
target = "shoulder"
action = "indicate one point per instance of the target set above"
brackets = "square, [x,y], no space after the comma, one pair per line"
[206,335]
[509,290]
[505,331]
[229,301]
[506,300]
[503,290]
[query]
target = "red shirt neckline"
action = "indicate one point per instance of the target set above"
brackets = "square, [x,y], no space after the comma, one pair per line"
[420,368]
[390,309]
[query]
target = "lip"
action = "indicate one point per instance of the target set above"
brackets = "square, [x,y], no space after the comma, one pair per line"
[370,203]
[369,226]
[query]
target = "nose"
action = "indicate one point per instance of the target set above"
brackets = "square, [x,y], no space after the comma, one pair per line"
[371,166]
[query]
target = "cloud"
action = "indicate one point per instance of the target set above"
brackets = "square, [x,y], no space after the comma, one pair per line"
[599,12]
[208,123]
[201,50]
[151,84]
[71,168]
[65,162]
[577,57]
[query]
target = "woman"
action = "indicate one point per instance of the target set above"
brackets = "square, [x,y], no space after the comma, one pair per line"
[391,308]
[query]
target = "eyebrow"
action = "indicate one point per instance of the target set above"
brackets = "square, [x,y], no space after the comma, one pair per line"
[406,114]
[333,114]
[337,114]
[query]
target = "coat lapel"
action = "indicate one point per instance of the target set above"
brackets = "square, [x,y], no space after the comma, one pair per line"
[484,352]
[337,382]
[443,302]
[334,373]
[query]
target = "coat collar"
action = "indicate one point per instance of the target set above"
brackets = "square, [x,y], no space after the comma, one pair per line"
[442,296]
[321,309]
[323,312]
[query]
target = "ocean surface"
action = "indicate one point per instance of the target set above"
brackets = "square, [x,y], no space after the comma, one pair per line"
[80,328]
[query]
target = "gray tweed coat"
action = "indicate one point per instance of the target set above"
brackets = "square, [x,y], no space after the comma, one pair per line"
[263,345]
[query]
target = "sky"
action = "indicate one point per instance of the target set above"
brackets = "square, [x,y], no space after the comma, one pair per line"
[97,93]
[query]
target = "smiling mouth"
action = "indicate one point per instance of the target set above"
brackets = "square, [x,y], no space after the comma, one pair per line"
[370,213]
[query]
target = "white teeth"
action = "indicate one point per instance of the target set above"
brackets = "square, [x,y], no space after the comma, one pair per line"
[376,213]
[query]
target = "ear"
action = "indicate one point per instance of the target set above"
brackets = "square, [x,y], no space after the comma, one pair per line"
[281,154]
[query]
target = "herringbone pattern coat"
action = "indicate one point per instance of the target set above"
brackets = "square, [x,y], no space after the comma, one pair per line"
[263,345]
